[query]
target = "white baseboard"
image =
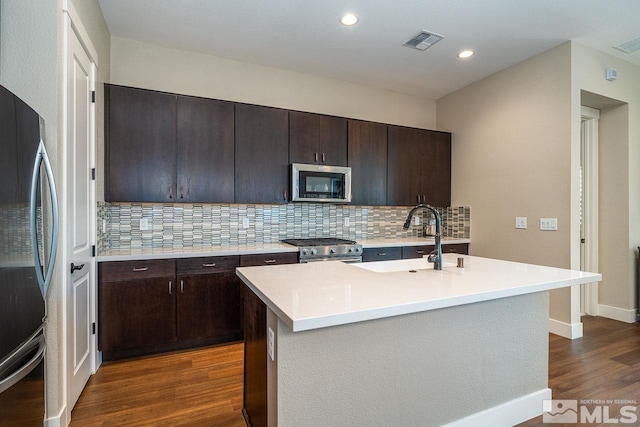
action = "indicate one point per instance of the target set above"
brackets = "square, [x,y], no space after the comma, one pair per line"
[615,313]
[567,330]
[508,414]
[59,420]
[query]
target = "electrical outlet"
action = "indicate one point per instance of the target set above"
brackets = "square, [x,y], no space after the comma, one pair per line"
[104,225]
[416,220]
[521,222]
[346,221]
[245,222]
[271,344]
[144,224]
[549,224]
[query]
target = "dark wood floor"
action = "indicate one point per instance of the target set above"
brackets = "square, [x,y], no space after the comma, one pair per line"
[204,387]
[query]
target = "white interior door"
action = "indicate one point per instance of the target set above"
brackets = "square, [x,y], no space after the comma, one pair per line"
[79,291]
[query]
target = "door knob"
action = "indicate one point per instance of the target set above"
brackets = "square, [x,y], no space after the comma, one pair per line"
[76,267]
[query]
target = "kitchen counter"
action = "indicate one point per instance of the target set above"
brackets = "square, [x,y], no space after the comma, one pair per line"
[317,295]
[398,343]
[259,248]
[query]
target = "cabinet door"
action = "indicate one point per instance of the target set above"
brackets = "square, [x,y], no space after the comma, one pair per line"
[209,307]
[140,140]
[262,154]
[416,251]
[404,177]
[8,160]
[317,139]
[268,259]
[137,314]
[436,172]
[367,154]
[205,150]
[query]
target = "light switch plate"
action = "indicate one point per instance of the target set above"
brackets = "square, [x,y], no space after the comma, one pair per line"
[549,224]
[521,222]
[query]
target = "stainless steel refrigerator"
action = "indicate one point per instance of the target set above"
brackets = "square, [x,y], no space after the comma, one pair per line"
[28,242]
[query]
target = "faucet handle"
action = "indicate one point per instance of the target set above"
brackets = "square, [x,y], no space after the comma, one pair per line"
[433,256]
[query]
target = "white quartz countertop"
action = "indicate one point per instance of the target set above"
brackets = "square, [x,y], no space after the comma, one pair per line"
[203,251]
[321,294]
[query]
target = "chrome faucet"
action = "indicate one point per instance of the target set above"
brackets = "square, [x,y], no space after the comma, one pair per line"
[436,256]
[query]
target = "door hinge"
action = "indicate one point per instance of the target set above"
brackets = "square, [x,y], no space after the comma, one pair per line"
[93,174]
[93,96]
[93,328]
[93,250]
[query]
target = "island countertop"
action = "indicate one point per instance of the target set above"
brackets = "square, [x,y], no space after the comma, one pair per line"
[322,294]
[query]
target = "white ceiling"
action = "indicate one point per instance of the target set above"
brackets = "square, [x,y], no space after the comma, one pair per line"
[305,35]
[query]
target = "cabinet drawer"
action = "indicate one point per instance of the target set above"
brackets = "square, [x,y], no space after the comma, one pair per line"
[416,251]
[381,254]
[269,259]
[207,265]
[119,271]
[456,248]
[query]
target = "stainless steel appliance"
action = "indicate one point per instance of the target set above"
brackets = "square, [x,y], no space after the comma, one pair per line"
[319,183]
[327,249]
[28,225]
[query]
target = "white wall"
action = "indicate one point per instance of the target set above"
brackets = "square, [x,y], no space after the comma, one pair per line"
[619,171]
[511,156]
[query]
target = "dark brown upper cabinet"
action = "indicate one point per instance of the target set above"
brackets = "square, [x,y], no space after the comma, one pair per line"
[205,138]
[367,154]
[262,154]
[317,139]
[140,145]
[419,169]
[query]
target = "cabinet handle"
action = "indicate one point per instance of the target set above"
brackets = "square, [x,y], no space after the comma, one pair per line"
[322,157]
[382,254]
[418,199]
[269,261]
[170,288]
[213,264]
[181,192]
[315,157]
[284,195]
[424,198]
[182,286]
[420,252]
[137,269]
[171,191]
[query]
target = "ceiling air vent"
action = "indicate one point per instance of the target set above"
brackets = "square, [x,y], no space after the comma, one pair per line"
[423,40]
[629,46]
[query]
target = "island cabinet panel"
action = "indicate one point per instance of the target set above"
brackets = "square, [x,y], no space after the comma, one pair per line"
[140,145]
[209,300]
[205,157]
[381,254]
[261,154]
[367,157]
[419,168]
[255,360]
[317,139]
[416,251]
[137,307]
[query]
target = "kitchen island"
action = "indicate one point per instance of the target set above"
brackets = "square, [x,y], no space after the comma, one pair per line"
[398,343]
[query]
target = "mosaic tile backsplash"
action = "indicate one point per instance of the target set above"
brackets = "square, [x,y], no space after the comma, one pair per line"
[190,225]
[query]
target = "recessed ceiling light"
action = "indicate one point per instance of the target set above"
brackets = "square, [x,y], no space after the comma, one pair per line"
[465,54]
[349,19]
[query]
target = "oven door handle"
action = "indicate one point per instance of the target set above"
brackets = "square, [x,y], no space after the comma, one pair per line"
[349,260]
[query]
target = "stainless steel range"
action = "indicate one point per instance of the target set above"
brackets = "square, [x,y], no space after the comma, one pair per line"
[327,249]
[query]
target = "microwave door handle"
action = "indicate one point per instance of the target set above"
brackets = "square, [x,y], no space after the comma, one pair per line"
[43,158]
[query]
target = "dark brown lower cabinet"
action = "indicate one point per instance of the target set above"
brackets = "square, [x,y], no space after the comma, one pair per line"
[381,254]
[416,251]
[137,307]
[255,342]
[153,306]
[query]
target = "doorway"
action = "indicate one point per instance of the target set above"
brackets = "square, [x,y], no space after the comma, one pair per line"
[589,206]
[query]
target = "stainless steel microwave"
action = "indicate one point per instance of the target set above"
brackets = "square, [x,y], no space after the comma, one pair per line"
[320,183]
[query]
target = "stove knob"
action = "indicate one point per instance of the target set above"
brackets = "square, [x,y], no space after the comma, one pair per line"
[314,251]
[332,250]
[305,252]
[358,249]
[352,249]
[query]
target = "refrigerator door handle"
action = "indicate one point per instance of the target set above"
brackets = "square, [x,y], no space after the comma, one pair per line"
[43,158]
[25,369]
